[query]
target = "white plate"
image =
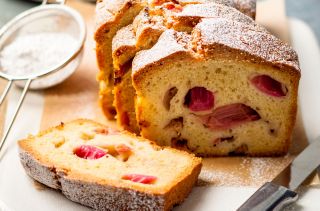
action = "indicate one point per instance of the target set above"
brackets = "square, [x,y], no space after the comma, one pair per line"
[19,192]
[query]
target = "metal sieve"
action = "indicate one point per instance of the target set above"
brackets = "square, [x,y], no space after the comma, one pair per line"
[51,16]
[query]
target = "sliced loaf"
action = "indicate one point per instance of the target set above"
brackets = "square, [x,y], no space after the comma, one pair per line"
[109,170]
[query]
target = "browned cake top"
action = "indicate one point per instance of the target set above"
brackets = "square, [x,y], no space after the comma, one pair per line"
[253,40]
[248,7]
[102,13]
[220,36]
[108,10]
[170,44]
[212,10]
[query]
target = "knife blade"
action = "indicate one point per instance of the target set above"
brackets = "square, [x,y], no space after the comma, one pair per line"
[280,191]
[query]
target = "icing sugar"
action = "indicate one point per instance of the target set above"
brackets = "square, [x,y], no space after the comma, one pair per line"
[34,53]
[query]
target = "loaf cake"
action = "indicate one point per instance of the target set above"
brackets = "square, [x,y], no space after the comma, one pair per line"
[109,170]
[111,15]
[204,77]
[228,88]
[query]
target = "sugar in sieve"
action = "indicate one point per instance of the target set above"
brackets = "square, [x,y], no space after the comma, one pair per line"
[50,17]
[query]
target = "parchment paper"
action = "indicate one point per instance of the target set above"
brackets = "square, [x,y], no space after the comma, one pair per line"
[77,98]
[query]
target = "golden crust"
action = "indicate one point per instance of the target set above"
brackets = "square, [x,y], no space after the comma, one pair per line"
[171,46]
[182,189]
[123,48]
[192,14]
[147,28]
[48,172]
[247,7]
[109,13]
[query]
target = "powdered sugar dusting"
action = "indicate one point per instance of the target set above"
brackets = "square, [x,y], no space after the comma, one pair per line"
[250,39]
[169,43]
[265,169]
[212,10]
[220,178]
[226,31]
[241,171]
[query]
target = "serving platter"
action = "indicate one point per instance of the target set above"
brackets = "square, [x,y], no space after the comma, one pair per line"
[224,188]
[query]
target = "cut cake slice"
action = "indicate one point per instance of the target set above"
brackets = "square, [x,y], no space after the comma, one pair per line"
[109,170]
[229,88]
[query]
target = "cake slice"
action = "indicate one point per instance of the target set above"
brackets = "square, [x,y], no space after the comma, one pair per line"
[142,34]
[111,15]
[123,50]
[109,170]
[229,88]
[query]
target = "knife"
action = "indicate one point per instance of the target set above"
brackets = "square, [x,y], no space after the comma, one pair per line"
[280,191]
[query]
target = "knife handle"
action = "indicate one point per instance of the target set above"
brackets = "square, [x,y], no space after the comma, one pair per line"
[269,197]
